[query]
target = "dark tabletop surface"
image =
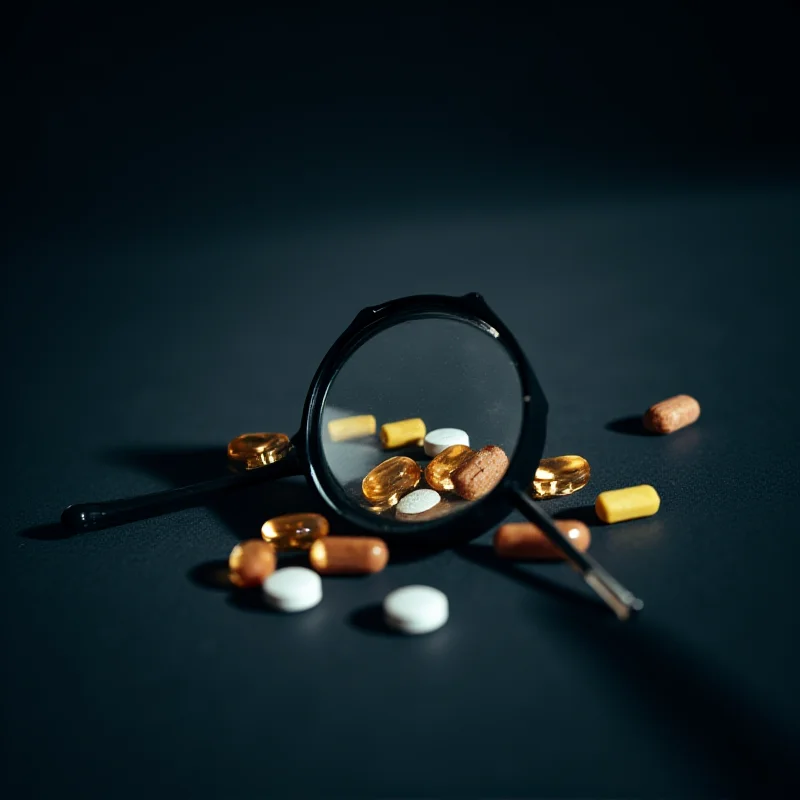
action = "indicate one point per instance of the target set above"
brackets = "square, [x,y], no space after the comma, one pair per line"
[186,237]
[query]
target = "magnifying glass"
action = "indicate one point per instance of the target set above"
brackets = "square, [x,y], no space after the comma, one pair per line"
[448,361]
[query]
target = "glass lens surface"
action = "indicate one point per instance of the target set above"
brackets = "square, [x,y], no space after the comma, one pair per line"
[442,378]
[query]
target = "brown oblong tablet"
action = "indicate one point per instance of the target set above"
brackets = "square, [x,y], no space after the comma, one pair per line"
[348,555]
[524,540]
[672,414]
[480,473]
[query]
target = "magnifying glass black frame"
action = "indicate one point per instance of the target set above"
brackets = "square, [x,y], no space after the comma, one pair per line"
[307,457]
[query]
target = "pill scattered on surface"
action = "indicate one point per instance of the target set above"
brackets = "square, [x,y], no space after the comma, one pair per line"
[634,502]
[418,501]
[258,449]
[348,555]
[559,476]
[672,414]
[250,562]
[438,473]
[293,589]
[342,430]
[415,609]
[480,473]
[524,540]
[390,480]
[402,433]
[442,438]
[294,531]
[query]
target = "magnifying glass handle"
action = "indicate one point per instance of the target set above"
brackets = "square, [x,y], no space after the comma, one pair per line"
[619,599]
[96,516]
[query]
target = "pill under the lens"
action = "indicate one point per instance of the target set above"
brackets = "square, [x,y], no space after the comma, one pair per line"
[348,555]
[439,472]
[480,473]
[294,531]
[390,480]
[402,433]
[418,501]
[559,476]
[672,414]
[634,502]
[346,428]
[442,438]
[258,449]
[416,609]
[250,562]
[524,540]
[293,589]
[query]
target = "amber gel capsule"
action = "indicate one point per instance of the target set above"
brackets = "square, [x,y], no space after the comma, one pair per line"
[560,476]
[258,449]
[250,562]
[294,531]
[524,540]
[348,555]
[390,480]
[439,470]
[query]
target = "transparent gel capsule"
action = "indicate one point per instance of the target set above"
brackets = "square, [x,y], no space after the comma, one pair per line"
[439,470]
[258,449]
[390,480]
[560,476]
[294,531]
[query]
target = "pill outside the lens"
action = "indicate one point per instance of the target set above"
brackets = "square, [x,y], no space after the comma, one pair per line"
[442,438]
[294,531]
[348,555]
[478,475]
[402,433]
[419,501]
[293,589]
[439,472]
[524,540]
[390,480]
[250,562]
[672,414]
[258,449]
[416,609]
[560,476]
[342,430]
[634,502]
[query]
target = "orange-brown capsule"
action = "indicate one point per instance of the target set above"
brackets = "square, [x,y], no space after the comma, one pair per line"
[439,470]
[348,555]
[250,562]
[526,540]
[672,414]
[258,449]
[390,480]
[294,531]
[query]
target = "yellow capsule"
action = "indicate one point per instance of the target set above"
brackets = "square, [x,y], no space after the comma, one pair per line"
[294,531]
[348,555]
[439,470]
[402,433]
[390,480]
[631,503]
[340,430]
[250,562]
[560,476]
[258,449]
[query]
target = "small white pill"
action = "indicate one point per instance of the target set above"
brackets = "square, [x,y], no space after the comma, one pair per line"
[442,438]
[418,501]
[415,609]
[293,589]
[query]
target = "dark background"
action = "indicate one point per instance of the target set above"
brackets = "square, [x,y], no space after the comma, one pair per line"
[196,205]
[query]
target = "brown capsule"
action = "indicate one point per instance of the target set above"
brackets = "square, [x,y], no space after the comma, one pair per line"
[251,562]
[524,540]
[294,531]
[258,449]
[348,555]
[390,480]
[671,414]
[480,473]
[438,473]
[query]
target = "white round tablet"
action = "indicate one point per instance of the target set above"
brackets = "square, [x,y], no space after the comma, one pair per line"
[418,501]
[293,589]
[442,438]
[415,609]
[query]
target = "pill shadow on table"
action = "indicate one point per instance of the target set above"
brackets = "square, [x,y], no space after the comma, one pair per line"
[49,532]
[631,426]
[585,514]
[369,619]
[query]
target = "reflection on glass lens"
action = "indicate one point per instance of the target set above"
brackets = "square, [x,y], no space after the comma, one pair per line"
[443,379]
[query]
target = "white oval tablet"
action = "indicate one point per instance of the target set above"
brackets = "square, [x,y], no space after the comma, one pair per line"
[415,609]
[418,501]
[293,589]
[442,438]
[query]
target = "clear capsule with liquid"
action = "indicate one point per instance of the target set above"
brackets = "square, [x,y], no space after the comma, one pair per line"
[390,480]
[559,476]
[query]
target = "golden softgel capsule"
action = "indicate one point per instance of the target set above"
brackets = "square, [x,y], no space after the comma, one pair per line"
[560,476]
[258,449]
[439,470]
[342,430]
[390,480]
[250,562]
[631,503]
[294,531]
[672,414]
[348,555]
[402,433]
[524,540]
